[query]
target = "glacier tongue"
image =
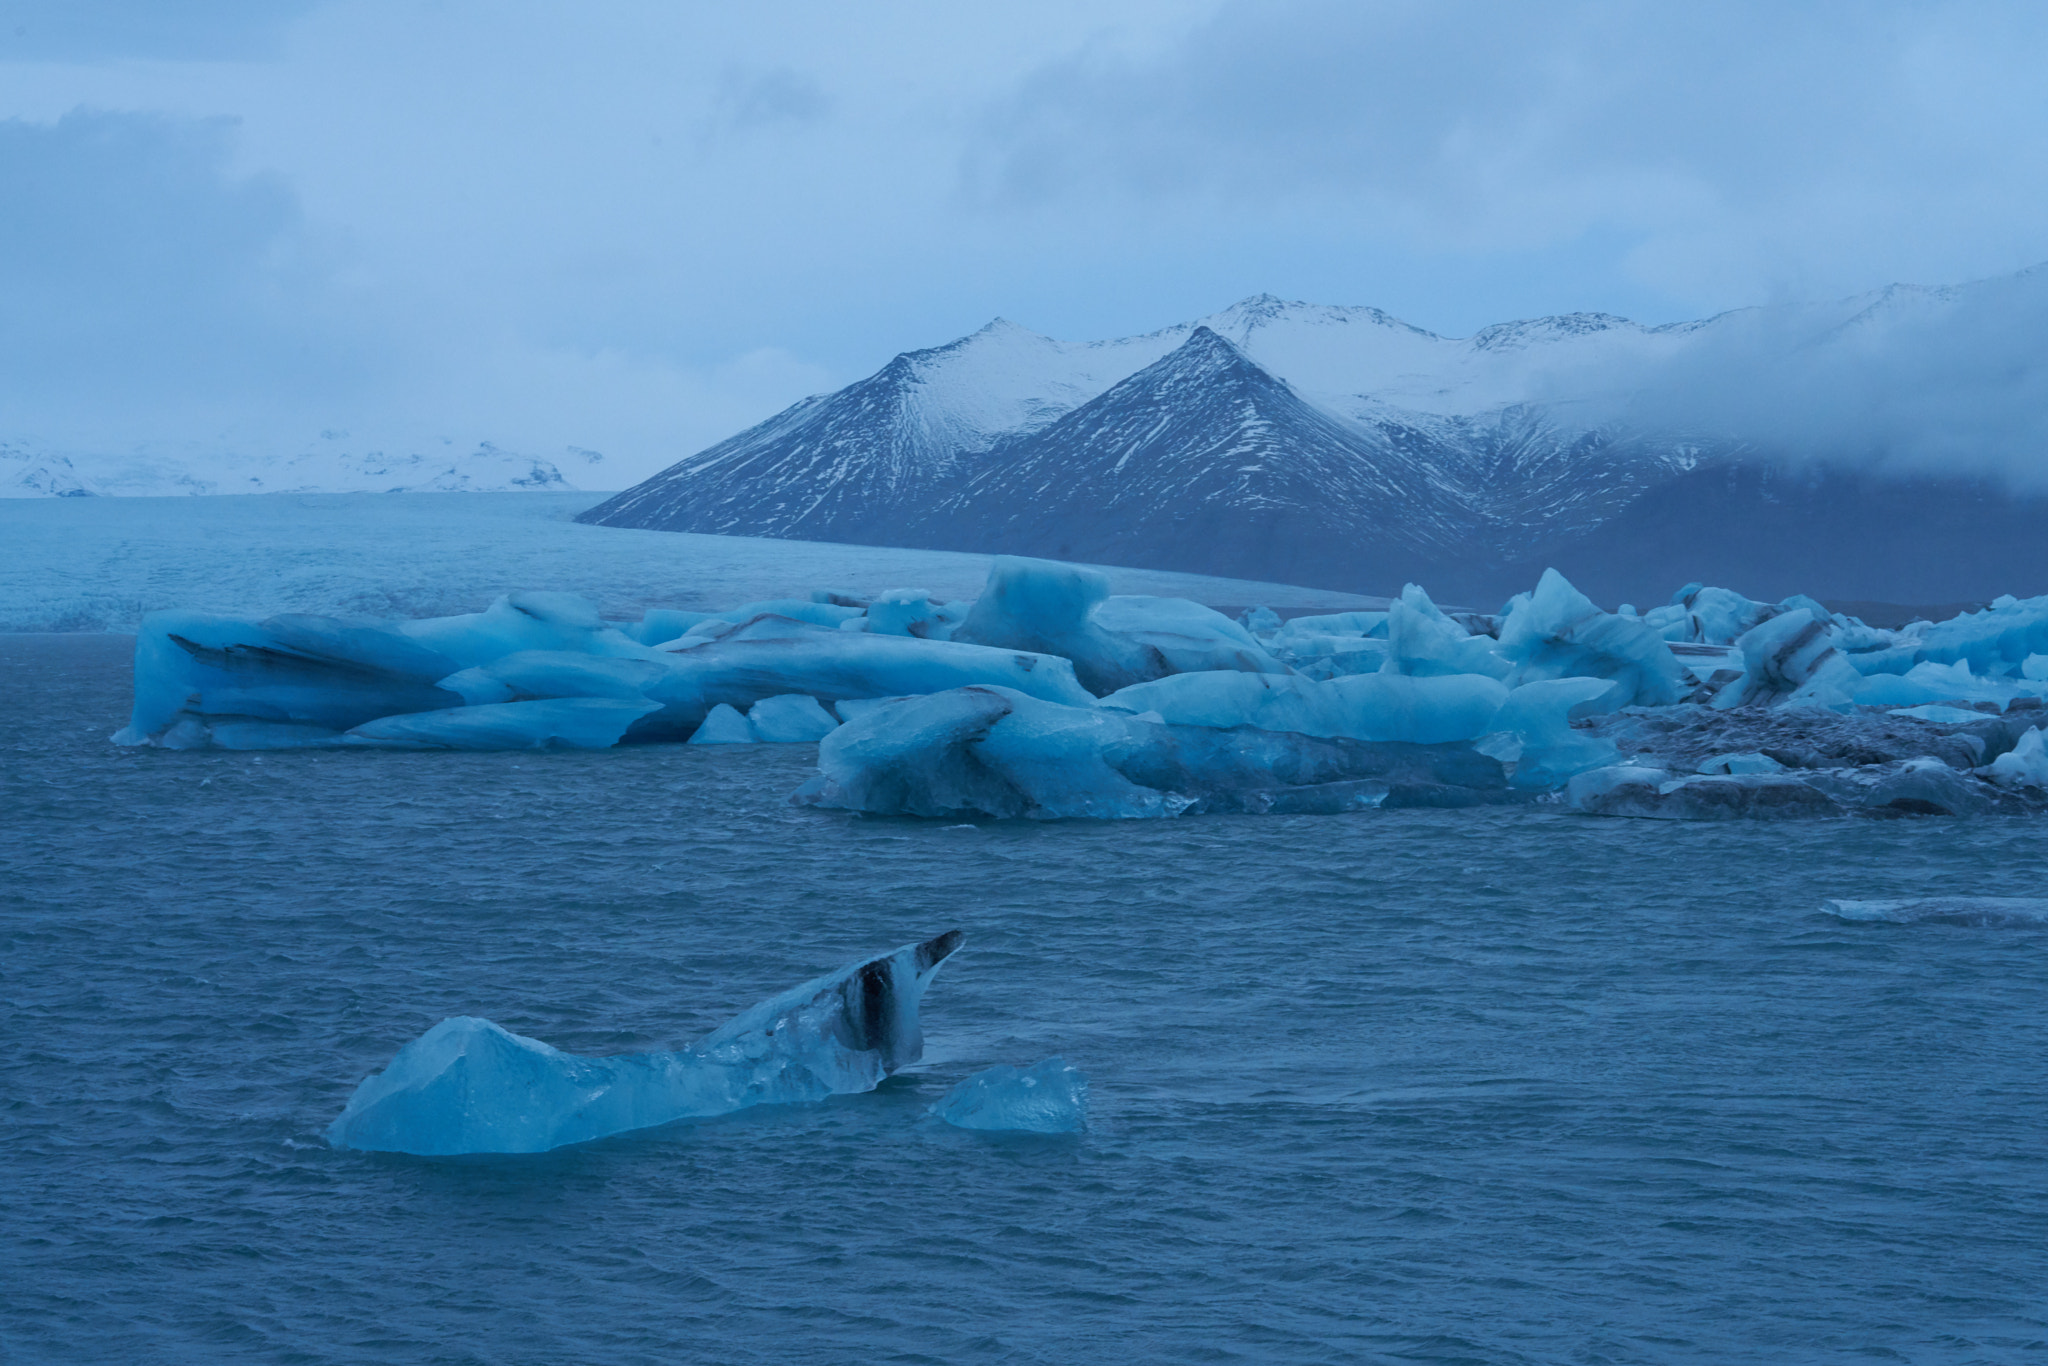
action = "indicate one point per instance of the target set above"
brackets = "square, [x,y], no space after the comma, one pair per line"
[470,1086]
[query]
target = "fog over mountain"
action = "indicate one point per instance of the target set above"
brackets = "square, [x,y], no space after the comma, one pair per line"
[1883,446]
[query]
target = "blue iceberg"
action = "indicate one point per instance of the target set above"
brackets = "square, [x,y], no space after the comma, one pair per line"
[469,1086]
[1557,632]
[1065,610]
[995,752]
[1048,1098]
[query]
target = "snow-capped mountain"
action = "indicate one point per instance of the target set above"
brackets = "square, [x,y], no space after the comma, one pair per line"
[1344,448]
[333,464]
[1205,454]
[1304,443]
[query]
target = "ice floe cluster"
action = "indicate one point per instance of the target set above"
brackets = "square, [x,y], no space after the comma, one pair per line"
[1046,697]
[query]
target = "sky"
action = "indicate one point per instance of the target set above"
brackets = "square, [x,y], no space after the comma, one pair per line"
[641,226]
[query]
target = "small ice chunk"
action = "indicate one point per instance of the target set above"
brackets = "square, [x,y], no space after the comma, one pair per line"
[1744,762]
[724,726]
[2035,667]
[2025,764]
[1647,794]
[658,625]
[792,718]
[1941,715]
[911,612]
[1048,1098]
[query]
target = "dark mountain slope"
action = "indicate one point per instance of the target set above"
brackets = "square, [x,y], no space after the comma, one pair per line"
[1203,461]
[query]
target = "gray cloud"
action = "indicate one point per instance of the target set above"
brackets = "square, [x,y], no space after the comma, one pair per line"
[1739,147]
[105,30]
[761,99]
[1948,381]
[141,276]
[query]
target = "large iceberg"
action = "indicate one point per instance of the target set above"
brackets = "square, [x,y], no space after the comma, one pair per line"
[1050,1097]
[287,682]
[297,678]
[469,1086]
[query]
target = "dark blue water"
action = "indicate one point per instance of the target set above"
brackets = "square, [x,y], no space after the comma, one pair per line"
[1494,1086]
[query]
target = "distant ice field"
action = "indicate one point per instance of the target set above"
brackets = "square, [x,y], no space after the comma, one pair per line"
[1501,1086]
[99,564]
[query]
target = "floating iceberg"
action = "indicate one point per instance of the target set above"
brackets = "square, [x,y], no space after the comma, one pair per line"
[1050,1097]
[1974,912]
[1375,706]
[1651,794]
[469,1086]
[194,672]
[2000,638]
[1422,640]
[2024,765]
[788,719]
[1537,719]
[1557,632]
[995,752]
[912,612]
[775,656]
[723,725]
[523,621]
[1064,610]
[1791,655]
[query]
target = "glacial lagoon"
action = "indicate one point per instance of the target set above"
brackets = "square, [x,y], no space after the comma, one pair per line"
[1505,1084]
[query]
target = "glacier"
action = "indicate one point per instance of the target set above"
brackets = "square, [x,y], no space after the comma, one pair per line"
[1047,697]
[1050,1097]
[470,1086]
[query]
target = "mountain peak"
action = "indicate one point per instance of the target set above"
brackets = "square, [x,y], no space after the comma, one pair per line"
[1208,348]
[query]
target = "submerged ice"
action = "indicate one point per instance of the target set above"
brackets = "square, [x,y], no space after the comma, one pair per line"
[470,1086]
[1050,1097]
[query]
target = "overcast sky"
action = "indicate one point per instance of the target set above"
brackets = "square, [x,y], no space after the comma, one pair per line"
[641,226]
